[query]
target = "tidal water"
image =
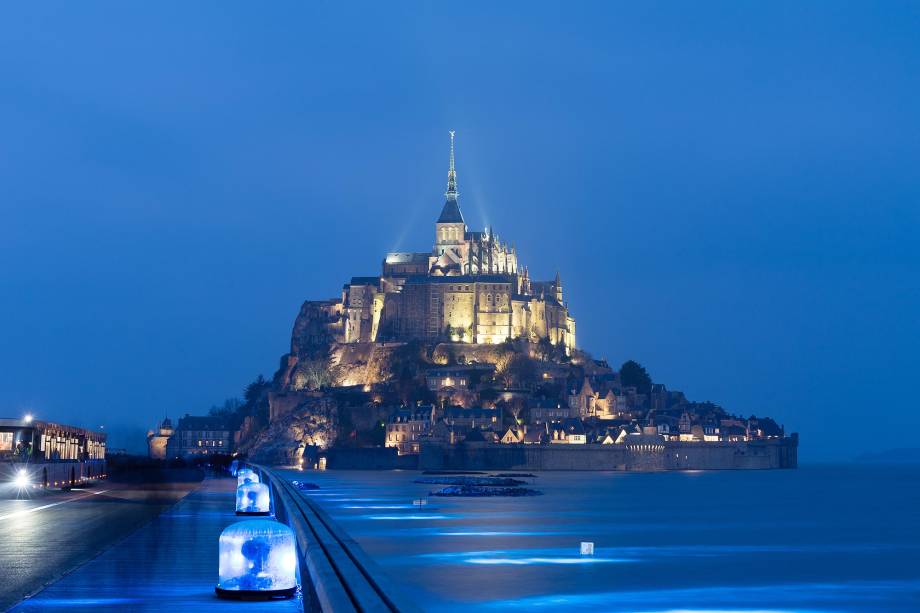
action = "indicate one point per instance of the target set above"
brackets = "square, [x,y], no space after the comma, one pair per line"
[819,538]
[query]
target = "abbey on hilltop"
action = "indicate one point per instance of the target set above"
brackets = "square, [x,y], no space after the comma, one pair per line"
[469,288]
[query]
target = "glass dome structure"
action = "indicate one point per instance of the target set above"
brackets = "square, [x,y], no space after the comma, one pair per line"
[246,475]
[253,499]
[258,560]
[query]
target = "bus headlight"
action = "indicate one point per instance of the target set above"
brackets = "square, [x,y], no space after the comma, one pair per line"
[22,478]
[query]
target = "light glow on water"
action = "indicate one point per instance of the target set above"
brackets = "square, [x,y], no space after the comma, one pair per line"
[377,506]
[723,599]
[537,561]
[524,552]
[398,517]
[496,533]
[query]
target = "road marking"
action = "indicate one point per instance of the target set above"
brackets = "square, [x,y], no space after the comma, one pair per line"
[48,506]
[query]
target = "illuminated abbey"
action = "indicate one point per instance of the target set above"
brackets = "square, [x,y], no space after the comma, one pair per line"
[469,288]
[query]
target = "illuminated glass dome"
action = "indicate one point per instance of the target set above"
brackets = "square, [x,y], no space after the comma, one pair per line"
[258,560]
[253,499]
[246,475]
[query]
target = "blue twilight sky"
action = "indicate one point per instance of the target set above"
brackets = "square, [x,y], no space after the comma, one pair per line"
[730,191]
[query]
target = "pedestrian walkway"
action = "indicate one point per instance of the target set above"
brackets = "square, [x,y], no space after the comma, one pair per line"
[168,565]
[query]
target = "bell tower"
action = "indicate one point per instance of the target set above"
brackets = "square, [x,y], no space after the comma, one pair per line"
[450,228]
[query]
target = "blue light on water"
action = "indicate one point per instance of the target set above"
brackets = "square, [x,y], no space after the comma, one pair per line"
[400,517]
[721,599]
[524,557]
[539,561]
[377,506]
[360,499]
[497,533]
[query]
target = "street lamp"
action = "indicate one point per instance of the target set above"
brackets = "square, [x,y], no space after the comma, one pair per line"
[253,499]
[246,475]
[27,418]
[257,560]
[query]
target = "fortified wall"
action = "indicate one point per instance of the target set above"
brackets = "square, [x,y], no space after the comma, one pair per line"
[666,455]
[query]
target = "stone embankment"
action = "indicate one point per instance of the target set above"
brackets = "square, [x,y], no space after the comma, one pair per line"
[760,454]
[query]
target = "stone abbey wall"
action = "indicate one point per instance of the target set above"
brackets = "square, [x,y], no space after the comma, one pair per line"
[765,454]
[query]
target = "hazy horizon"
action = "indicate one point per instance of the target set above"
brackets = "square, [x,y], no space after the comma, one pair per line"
[729,191]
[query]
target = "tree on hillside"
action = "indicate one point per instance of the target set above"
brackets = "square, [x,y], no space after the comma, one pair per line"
[515,369]
[633,374]
[230,406]
[316,374]
[255,389]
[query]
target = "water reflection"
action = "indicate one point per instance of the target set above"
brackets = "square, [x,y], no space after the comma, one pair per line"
[820,538]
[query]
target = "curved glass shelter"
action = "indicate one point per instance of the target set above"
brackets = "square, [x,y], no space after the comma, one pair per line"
[258,560]
[253,499]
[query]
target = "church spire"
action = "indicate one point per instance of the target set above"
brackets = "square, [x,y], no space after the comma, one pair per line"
[451,211]
[451,192]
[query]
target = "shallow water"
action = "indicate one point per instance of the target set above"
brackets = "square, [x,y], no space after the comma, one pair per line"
[820,538]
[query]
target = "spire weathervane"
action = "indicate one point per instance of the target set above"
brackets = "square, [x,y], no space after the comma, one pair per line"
[451,173]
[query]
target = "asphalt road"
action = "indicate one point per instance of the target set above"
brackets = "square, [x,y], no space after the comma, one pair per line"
[44,538]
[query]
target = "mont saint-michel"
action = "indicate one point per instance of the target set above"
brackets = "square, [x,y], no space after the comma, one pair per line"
[457,358]
[469,288]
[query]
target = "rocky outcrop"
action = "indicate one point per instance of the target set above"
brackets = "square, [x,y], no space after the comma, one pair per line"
[317,327]
[314,421]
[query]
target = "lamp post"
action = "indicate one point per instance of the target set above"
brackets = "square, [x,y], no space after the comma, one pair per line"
[28,420]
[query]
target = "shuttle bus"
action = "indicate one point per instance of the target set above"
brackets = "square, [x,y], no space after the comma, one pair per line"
[43,454]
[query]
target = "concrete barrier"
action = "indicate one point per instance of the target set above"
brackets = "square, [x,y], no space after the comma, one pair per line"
[342,576]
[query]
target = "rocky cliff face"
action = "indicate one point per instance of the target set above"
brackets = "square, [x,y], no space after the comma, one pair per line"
[328,391]
[314,421]
[316,328]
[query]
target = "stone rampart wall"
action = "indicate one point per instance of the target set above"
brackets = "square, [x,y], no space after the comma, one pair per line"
[775,453]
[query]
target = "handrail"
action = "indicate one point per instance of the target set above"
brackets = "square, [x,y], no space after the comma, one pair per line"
[344,578]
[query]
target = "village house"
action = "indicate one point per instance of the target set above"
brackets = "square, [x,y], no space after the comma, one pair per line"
[202,435]
[460,377]
[406,427]
[546,411]
[477,417]
[526,435]
[570,431]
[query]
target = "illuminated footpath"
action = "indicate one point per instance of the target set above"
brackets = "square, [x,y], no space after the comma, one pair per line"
[171,564]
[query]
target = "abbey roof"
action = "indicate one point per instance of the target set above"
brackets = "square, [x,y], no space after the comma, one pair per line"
[451,212]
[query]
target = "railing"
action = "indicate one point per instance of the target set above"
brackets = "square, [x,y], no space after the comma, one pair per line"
[343,577]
